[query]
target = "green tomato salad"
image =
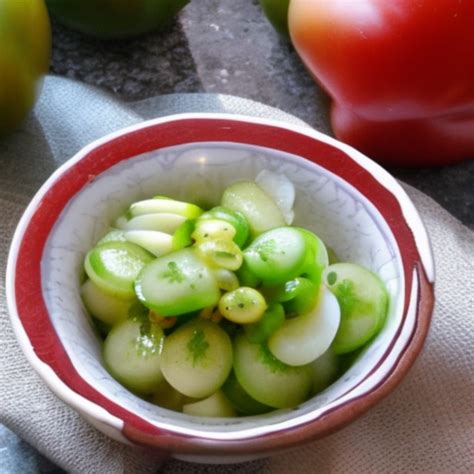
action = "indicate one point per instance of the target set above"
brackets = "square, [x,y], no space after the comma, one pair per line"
[228,311]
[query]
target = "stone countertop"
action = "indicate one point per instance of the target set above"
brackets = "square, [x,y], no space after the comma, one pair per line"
[224,46]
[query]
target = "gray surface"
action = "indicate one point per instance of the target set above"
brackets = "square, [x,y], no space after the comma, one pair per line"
[221,46]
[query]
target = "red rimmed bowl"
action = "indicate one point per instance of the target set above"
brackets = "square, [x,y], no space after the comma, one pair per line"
[349,201]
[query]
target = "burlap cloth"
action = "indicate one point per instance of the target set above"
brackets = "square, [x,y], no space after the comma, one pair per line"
[426,425]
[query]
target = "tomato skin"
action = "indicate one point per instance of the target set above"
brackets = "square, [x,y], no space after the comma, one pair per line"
[25,39]
[400,73]
[435,141]
[108,19]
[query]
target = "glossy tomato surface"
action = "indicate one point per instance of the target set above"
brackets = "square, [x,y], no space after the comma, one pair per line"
[401,74]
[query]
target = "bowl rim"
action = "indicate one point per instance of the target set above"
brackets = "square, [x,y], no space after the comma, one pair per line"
[140,430]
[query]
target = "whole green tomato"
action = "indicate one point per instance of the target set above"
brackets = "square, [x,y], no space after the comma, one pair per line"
[25,40]
[277,13]
[109,19]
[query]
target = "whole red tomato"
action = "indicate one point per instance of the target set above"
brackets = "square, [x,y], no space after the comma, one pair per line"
[400,73]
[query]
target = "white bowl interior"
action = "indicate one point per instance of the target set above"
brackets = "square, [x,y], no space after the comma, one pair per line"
[325,204]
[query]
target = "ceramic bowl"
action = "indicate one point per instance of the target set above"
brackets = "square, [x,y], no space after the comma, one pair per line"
[348,200]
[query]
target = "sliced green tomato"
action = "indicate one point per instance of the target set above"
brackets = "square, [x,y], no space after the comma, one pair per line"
[220,253]
[226,280]
[163,222]
[268,380]
[277,256]
[213,229]
[197,358]
[235,218]
[177,283]
[243,306]
[168,397]
[170,206]
[298,295]
[325,370]
[182,235]
[363,299]
[303,339]
[241,400]
[272,319]
[113,235]
[261,212]
[216,405]
[132,354]
[114,266]
[317,257]
[157,243]
[108,309]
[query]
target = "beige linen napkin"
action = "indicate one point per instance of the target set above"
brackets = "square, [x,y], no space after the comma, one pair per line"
[425,425]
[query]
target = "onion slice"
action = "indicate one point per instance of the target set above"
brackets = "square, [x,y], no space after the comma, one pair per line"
[280,189]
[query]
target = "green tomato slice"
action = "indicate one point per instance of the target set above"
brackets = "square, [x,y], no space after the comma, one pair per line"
[197,358]
[177,283]
[215,406]
[114,266]
[259,209]
[325,371]
[268,380]
[277,255]
[241,400]
[108,309]
[168,397]
[132,354]
[363,299]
